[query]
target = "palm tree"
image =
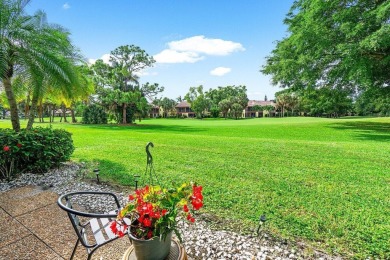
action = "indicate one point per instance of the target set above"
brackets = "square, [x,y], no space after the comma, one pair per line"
[35,49]
[282,103]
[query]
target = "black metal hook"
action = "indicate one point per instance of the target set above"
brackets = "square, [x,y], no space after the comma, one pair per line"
[149,158]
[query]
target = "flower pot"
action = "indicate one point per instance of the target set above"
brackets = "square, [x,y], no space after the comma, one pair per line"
[152,249]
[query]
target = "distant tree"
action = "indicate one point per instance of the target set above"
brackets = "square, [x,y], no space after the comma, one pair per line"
[214,110]
[257,108]
[324,101]
[236,110]
[269,109]
[373,101]
[167,105]
[125,62]
[224,105]
[117,83]
[199,102]
[281,103]
[225,97]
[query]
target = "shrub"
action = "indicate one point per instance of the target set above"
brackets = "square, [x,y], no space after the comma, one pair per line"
[35,151]
[94,114]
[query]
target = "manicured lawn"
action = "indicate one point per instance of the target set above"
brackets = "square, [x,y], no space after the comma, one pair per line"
[326,181]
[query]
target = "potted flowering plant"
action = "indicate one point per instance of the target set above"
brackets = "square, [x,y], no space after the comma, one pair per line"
[151,214]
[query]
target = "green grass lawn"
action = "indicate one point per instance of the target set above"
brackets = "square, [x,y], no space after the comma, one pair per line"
[324,181]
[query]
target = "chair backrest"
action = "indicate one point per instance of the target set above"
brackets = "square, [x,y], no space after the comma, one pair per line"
[96,223]
[76,223]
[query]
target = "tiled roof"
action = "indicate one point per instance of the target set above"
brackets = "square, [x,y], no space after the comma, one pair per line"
[252,103]
[183,104]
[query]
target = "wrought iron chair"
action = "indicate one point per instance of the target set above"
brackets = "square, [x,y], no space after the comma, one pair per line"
[96,225]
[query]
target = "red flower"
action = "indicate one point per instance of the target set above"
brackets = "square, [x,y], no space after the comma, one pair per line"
[113,227]
[131,197]
[147,222]
[150,234]
[164,212]
[19,145]
[197,204]
[6,148]
[197,197]
[197,192]
[189,216]
[192,220]
[185,208]
[156,215]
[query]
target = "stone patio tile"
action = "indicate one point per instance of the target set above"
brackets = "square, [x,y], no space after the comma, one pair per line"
[18,192]
[113,250]
[20,201]
[10,229]
[52,225]
[27,248]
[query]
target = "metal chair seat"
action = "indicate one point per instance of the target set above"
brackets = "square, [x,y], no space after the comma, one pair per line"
[92,229]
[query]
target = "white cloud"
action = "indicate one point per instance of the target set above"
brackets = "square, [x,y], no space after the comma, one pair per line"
[191,50]
[220,71]
[200,44]
[65,6]
[172,56]
[105,58]
[145,73]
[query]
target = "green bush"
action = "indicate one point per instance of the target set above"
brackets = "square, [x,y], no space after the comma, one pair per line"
[35,151]
[94,114]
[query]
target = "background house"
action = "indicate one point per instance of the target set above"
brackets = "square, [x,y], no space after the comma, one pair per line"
[251,111]
[183,109]
[154,111]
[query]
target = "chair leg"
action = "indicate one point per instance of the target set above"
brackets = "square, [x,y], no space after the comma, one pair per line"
[74,249]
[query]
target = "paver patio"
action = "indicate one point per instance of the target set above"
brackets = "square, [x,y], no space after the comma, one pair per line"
[32,226]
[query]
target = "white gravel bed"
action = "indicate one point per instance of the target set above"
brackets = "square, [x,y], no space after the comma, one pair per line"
[200,241]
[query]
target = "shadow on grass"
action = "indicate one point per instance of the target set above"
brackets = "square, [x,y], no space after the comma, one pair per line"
[109,171]
[373,131]
[143,127]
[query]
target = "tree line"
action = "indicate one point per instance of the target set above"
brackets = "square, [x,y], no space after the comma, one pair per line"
[336,57]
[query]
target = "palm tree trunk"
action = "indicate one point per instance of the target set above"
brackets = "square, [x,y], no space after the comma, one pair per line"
[27,106]
[11,100]
[34,103]
[124,119]
[64,113]
[52,114]
[41,112]
[73,116]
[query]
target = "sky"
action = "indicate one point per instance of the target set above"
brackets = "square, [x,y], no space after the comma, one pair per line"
[205,42]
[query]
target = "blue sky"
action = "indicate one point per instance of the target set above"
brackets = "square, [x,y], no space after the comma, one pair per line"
[206,42]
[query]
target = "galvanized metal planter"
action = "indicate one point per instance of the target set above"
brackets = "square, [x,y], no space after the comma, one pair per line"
[152,249]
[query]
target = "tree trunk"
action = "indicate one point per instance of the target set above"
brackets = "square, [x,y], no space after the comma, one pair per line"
[73,116]
[52,114]
[124,119]
[40,114]
[64,113]
[27,106]
[11,100]
[33,110]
